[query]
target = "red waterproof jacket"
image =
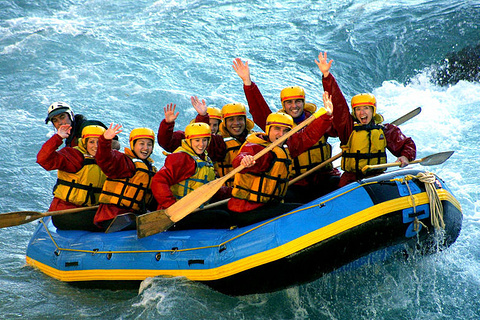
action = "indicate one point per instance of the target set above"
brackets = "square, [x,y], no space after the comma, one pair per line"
[66,159]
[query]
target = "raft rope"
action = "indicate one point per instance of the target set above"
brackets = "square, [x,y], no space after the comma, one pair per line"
[436,212]
[436,207]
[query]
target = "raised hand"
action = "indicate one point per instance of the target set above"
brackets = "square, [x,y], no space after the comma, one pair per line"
[327,103]
[323,65]
[112,131]
[242,70]
[200,106]
[170,115]
[64,131]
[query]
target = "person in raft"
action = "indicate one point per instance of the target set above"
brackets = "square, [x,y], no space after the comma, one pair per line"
[60,113]
[129,175]
[293,103]
[363,137]
[234,129]
[259,189]
[185,170]
[170,140]
[79,178]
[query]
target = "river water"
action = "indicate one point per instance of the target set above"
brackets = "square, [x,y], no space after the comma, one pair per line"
[123,61]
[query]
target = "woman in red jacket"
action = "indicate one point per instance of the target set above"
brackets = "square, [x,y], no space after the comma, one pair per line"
[80,179]
[129,175]
[363,138]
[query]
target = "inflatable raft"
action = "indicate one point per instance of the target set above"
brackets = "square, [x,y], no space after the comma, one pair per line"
[394,212]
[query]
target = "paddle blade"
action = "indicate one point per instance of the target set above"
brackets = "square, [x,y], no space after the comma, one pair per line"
[152,223]
[11,219]
[407,116]
[121,221]
[437,158]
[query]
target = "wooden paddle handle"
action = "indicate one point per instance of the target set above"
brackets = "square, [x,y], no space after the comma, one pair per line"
[387,165]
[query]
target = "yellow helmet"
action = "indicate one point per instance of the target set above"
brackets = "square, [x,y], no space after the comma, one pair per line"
[139,133]
[280,119]
[91,132]
[198,130]
[234,109]
[364,99]
[291,93]
[214,113]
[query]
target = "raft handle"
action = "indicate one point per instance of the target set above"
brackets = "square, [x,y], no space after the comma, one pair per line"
[412,215]
[190,262]
[158,256]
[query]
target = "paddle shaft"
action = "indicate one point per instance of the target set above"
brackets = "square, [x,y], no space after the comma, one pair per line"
[160,220]
[431,160]
[176,215]
[11,219]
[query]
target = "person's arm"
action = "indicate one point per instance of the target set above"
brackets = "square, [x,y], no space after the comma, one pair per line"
[257,105]
[178,167]
[400,145]
[342,119]
[114,164]
[166,137]
[66,159]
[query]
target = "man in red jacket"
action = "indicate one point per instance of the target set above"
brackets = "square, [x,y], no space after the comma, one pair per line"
[362,136]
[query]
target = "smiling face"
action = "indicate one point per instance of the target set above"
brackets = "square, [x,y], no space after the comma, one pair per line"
[143,148]
[214,123]
[235,125]
[277,132]
[199,145]
[60,120]
[364,114]
[294,107]
[92,145]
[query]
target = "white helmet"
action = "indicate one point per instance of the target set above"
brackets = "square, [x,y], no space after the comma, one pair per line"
[59,107]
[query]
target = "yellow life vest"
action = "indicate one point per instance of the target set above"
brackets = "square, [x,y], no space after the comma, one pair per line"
[366,146]
[225,166]
[318,153]
[83,187]
[131,193]
[204,173]
[268,186]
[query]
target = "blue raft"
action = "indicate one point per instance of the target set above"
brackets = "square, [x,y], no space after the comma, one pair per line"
[383,215]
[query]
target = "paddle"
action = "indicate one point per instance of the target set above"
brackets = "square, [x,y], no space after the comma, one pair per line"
[11,219]
[431,160]
[160,220]
[396,122]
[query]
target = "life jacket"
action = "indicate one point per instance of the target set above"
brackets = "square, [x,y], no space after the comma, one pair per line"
[366,146]
[204,173]
[268,186]
[316,154]
[131,193]
[83,187]
[224,167]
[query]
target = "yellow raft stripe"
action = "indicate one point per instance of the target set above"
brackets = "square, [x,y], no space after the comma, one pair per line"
[254,260]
